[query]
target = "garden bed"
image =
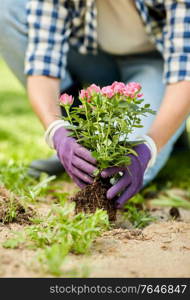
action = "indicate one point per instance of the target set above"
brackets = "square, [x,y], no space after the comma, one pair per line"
[162,249]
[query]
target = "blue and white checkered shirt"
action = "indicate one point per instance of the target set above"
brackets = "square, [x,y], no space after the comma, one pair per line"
[54,25]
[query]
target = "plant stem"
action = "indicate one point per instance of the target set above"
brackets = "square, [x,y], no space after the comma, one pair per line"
[108,132]
[99,128]
[68,114]
[86,110]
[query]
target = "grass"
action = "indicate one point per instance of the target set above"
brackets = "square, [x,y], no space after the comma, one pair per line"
[21,135]
[136,213]
[61,232]
[21,139]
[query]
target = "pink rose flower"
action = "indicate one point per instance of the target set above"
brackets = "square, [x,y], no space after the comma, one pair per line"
[118,87]
[66,99]
[108,91]
[134,85]
[93,89]
[88,93]
[83,94]
[132,88]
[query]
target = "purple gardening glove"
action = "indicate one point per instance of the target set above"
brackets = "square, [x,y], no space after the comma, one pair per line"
[77,161]
[132,179]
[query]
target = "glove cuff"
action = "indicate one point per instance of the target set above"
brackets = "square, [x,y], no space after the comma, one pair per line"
[149,142]
[53,127]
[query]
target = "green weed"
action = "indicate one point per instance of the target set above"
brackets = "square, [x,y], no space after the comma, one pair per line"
[136,213]
[11,213]
[53,257]
[14,242]
[138,218]
[59,233]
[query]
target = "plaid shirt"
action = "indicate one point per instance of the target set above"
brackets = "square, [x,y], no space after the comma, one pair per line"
[54,25]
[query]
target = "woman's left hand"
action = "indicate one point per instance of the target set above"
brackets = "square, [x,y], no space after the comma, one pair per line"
[132,180]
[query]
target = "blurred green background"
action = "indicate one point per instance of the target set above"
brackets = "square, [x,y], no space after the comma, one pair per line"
[21,134]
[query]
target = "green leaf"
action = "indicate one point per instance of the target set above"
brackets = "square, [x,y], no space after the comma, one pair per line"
[132,151]
[147,105]
[108,142]
[95,154]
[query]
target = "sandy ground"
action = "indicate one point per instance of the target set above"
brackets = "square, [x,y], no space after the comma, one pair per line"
[160,250]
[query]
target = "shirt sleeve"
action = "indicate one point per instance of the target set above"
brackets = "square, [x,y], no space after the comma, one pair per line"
[177,41]
[48,33]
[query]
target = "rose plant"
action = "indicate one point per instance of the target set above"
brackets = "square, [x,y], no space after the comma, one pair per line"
[104,120]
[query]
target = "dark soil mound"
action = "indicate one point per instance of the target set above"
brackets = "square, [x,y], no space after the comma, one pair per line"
[93,197]
[11,210]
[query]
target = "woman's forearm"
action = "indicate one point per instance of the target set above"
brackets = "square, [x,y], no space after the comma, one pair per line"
[43,93]
[173,111]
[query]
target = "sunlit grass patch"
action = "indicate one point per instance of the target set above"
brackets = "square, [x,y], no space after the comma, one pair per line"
[21,134]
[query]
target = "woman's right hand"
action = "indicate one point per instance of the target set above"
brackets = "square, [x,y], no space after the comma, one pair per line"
[77,160]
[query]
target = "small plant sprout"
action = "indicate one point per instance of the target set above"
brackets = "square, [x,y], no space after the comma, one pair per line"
[41,186]
[135,213]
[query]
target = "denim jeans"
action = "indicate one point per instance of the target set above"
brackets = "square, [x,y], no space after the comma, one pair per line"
[101,69]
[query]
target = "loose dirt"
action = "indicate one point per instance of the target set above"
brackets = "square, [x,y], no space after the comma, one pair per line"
[11,209]
[94,196]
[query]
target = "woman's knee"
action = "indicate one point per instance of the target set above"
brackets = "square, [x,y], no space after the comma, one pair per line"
[5,13]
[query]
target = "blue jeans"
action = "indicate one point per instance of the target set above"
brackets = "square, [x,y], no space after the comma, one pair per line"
[101,69]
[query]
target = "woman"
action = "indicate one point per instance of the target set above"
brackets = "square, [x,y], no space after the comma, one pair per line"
[100,42]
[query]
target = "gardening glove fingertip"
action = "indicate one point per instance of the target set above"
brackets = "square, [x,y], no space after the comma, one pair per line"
[104,174]
[81,185]
[109,194]
[121,202]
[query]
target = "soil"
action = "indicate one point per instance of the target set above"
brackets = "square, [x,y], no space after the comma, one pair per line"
[94,196]
[21,215]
